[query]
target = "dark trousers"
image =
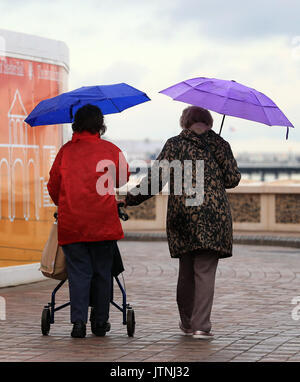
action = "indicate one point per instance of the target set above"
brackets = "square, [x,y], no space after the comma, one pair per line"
[89,267]
[195,289]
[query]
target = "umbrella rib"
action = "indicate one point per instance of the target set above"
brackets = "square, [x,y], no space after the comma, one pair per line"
[219,95]
[114,104]
[184,91]
[234,99]
[225,100]
[262,108]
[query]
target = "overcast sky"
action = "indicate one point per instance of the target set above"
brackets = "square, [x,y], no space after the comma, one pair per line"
[157,43]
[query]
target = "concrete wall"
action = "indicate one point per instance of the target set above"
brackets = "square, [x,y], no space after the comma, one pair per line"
[253,207]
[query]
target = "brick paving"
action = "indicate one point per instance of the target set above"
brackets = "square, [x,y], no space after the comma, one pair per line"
[251,315]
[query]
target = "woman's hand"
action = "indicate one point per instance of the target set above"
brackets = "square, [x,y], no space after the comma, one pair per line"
[122,214]
[122,203]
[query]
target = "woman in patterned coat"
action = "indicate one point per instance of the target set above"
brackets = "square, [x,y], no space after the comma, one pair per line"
[198,233]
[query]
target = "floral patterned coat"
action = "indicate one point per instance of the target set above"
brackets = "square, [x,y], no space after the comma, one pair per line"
[204,226]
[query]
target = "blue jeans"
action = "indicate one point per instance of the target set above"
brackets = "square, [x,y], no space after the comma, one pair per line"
[89,267]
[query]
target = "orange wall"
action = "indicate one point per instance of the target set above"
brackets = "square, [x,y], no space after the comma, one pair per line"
[26,155]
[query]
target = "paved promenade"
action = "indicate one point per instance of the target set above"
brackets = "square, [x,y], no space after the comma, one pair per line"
[252,312]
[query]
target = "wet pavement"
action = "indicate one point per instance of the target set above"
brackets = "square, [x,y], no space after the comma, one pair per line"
[252,312]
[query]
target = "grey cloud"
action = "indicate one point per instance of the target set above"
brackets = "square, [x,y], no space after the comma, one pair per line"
[120,71]
[224,20]
[238,19]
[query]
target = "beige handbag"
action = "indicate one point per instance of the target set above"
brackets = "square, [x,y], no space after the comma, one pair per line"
[53,262]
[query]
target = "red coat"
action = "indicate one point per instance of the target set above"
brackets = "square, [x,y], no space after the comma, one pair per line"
[86,210]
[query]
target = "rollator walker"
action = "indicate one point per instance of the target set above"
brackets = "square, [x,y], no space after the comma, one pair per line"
[48,313]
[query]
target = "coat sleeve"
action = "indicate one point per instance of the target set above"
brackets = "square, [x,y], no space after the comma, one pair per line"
[53,185]
[229,168]
[134,197]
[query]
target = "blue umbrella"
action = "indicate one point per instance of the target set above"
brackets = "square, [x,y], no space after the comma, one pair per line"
[62,108]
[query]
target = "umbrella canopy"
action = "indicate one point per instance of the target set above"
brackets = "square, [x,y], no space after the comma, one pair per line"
[228,98]
[62,108]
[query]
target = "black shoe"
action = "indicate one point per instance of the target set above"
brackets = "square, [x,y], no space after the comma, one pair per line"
[100,330]
[79,330]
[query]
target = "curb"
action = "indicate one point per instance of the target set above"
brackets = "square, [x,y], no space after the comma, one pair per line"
[138,236]
[280,241]
[20,274]
[277,241]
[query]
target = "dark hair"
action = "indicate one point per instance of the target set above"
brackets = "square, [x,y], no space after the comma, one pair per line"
[194,114]
[89,118]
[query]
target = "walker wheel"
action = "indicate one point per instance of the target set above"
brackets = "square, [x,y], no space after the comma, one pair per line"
[45,321]
[130,322]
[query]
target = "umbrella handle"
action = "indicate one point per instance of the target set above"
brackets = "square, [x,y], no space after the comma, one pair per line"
[222,124]
[71,109]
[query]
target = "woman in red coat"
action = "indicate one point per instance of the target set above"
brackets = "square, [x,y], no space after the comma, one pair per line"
[82,180]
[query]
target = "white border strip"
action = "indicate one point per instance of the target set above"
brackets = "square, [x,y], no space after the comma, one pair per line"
[34,48]
[21,146]
[27,57]
[20,274]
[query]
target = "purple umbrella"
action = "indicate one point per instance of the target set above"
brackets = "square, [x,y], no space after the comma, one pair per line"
[229,98]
